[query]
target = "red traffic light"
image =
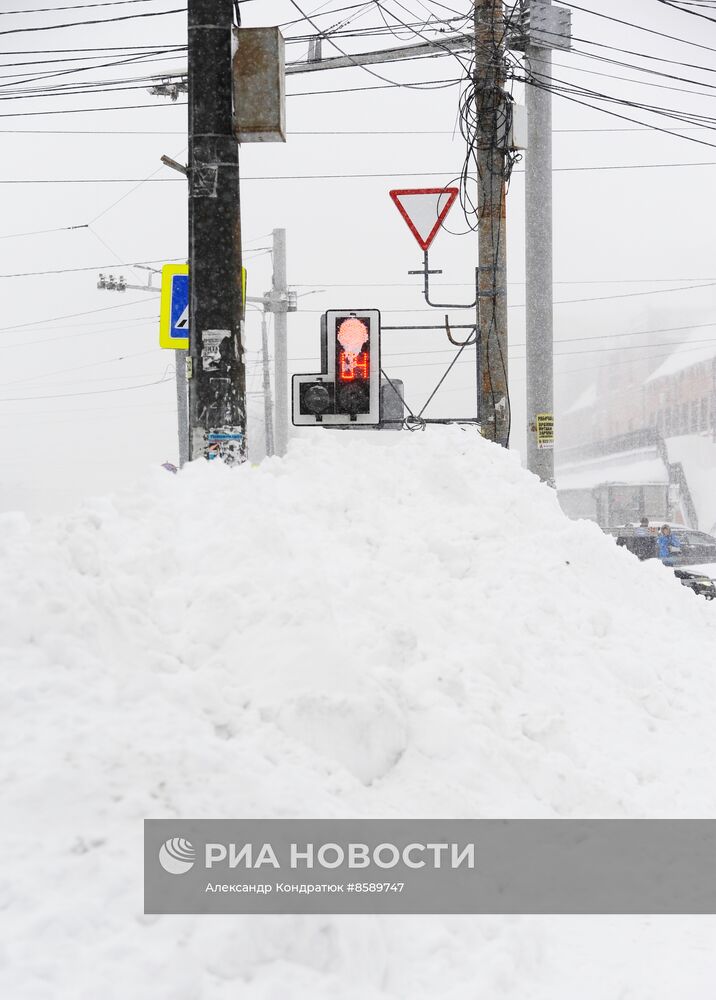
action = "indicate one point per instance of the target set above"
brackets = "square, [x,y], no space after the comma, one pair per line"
[352,354]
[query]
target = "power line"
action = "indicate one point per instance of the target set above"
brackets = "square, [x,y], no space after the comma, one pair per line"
[641,27]
[99,410]
[140,321]
[77,6]
[95,48]
[331,132]
[106,20]
[316,177]
[163,52]
[592,337]
[450,173]
[87,312]
[93,180]
[465,284]
[645,83]
[632,52]
[96,267]
[565,302]
[94,86]
[432,85]
[92,392]
[695,345]
[650,71]
[694,13]
[128,193]
[76,368]
[568,96]
[42,232]
[85,111]
[386,80]
[64,131]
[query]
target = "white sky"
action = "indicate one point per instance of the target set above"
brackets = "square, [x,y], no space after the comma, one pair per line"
[64,434]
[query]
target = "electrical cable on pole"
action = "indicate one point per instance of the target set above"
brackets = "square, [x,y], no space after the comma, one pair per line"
[217,377]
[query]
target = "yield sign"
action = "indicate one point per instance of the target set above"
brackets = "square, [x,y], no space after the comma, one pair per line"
[424,209]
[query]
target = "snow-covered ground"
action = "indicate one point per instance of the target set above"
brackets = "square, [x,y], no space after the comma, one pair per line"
[378,625]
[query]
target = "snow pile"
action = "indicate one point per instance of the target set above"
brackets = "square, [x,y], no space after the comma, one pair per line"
[377,625]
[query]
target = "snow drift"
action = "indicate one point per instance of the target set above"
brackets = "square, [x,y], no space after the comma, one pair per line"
[377,625]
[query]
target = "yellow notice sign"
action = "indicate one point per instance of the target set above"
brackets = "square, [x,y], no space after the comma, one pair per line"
[544,424]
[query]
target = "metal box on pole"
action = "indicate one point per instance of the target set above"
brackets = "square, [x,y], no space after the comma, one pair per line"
[259,74]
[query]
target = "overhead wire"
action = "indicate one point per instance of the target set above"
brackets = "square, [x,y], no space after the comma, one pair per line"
[91,392]
[641,27]
[685,10]
[386,80]
[84,24]
[76,6]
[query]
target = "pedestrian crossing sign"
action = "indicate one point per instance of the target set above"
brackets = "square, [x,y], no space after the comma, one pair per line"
[174,306]
[174,309]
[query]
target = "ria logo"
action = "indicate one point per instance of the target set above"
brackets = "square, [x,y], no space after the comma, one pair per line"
[177,856]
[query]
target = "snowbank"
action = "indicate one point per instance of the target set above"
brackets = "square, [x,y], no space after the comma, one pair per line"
[377,625]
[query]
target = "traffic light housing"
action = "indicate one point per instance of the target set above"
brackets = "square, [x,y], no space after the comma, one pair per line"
[347,391]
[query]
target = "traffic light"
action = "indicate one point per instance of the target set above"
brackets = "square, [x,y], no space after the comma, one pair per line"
[352,359]
[348,390]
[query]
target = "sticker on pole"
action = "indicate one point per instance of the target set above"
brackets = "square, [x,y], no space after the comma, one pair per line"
[544,425]
[425,210]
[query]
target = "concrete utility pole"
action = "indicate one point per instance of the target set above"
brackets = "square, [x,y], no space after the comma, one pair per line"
[490,144]
[547,28]
[217,386]
[268,405]
[279,301]
[538,263]
[279,291]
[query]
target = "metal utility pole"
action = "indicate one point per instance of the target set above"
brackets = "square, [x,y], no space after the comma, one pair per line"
[268,404]
[545,28]
[217,385]
[279,292]
[490,145]
[180,360]
[180,357]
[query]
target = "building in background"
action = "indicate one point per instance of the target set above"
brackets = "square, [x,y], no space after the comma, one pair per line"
[640,440]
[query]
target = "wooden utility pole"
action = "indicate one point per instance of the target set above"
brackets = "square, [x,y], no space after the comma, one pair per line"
[217,387]
[490,145]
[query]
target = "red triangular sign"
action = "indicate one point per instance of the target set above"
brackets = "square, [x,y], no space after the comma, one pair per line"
[424,209]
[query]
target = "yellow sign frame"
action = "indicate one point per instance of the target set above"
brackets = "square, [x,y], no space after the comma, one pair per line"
[165,309]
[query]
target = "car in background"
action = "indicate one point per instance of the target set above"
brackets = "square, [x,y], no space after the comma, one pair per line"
[694,566]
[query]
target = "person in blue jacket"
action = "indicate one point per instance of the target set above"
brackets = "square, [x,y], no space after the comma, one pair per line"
[669,546]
